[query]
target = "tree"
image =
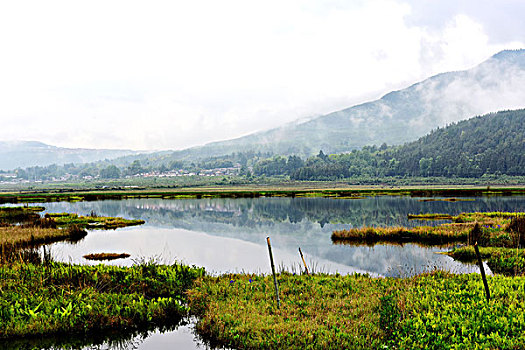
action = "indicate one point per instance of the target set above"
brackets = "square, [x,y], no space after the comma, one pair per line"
[110,172]
[135,168]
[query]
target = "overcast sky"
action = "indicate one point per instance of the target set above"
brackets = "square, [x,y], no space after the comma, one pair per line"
[172,74]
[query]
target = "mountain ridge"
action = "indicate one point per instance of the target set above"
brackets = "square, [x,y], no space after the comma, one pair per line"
[23,154]
[397,117]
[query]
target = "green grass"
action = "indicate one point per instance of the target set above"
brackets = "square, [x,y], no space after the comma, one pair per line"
[431,311]
[287,189]
[468,254]
[59,298]
[316,312]
[450,311]
[506,261]
[101,222]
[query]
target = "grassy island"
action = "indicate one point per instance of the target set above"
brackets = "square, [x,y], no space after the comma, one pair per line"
[92,221]
[496,230]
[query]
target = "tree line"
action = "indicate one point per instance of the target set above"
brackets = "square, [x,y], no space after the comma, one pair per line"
[493,144]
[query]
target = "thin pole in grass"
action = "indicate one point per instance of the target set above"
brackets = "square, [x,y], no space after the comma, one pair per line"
[482,270]
[304,262]
[273,272]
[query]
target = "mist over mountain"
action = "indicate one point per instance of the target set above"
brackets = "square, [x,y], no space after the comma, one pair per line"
[398,117]
[22,154]
[493,144]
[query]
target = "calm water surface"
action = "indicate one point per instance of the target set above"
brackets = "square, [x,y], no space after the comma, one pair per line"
[229,235]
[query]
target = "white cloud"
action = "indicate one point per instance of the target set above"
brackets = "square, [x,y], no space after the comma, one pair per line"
[172,74]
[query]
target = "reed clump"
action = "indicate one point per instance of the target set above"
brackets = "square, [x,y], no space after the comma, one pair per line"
[432,234]
[18,235]
[106,256]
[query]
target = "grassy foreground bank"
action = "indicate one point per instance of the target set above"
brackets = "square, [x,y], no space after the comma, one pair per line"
[431,311]
[56,298]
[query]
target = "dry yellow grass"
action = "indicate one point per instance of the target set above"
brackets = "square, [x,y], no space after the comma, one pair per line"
[16,235]
[445,232]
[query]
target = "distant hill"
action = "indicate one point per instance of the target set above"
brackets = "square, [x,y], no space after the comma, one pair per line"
[22,154]
[486,145]
[493,144]
[398,117]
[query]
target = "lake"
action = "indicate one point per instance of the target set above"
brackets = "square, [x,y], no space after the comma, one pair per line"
[229,235]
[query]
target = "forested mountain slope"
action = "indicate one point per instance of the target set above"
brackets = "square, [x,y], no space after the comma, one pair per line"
[489,144]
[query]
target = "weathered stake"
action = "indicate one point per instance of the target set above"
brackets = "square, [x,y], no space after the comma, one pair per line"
[482,270]
[304,262]
[273,272]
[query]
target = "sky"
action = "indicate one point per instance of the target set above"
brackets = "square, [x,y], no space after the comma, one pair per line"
[154,75]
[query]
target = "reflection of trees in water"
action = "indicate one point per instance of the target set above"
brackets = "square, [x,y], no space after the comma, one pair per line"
[253,212]
[304,222]
[96,340]
[115,340]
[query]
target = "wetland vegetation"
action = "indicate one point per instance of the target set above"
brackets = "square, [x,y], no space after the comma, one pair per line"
[431,310]
[498,228]
[41,297]
[106,256]
[294,190]
[58,298]
[500,235]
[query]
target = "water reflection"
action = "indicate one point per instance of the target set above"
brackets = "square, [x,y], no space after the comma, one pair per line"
[179,335]
[228,235]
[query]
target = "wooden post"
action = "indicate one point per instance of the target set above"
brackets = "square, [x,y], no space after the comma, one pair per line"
[482,270]
[304,262]
[273,272]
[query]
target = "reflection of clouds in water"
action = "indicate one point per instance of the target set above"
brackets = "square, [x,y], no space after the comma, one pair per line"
[229,234]
[216,254]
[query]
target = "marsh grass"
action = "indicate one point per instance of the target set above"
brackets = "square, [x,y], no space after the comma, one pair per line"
[300,189]
[57,298]
[427,234]
[18,235]
[430,216]
[319,311]
[106,256]
[19,215]
[432,310]
[92,221]
[495,230]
